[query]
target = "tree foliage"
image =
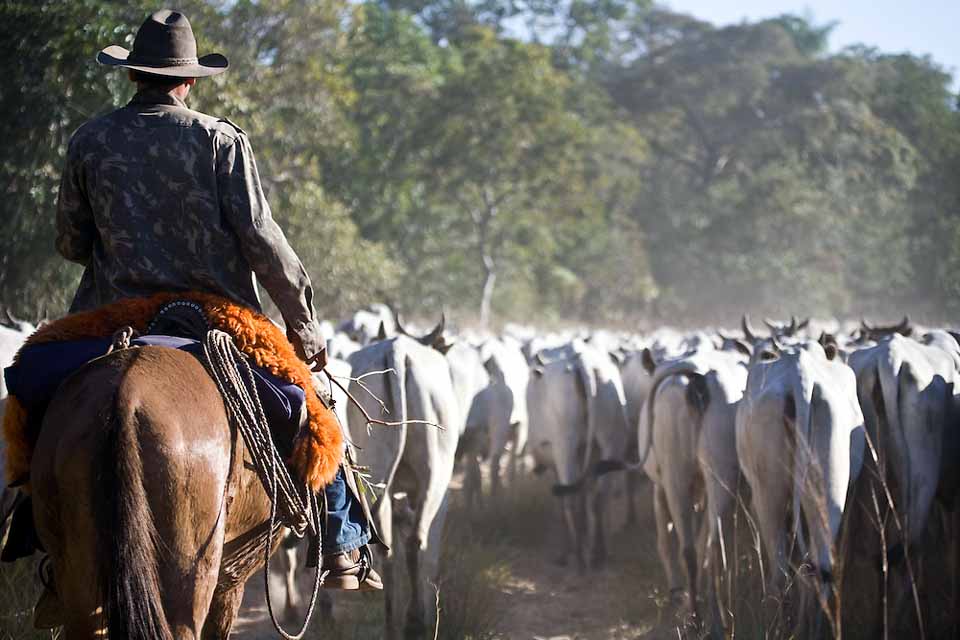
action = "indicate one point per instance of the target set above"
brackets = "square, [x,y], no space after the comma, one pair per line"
[606,160]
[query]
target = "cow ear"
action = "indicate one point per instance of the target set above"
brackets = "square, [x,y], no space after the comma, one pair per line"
[830,349]
[742,347]
[443,346]
[648,362]
[488,365]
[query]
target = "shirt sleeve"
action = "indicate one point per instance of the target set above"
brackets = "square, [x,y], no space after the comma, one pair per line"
[76,228]
[263,244]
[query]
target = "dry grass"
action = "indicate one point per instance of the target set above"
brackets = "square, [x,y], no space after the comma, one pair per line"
[500,580]
[19,590]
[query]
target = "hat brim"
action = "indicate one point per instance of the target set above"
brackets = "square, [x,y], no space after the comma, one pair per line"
[208,65]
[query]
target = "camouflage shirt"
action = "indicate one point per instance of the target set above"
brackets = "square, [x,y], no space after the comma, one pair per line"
[156,197]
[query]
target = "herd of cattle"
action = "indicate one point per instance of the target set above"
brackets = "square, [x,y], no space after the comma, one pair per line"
[802,426]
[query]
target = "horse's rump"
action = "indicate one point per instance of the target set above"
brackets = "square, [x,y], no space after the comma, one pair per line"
[131,476]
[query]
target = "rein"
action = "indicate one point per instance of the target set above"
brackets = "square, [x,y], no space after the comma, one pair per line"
[291,504]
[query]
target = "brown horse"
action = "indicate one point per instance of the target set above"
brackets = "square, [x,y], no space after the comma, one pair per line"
[142,498]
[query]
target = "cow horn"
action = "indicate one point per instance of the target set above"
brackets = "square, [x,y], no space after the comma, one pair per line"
[905,324]
[747,331]
[432,339]
[794,325]
[8,317]
[865,326]
[381,332]
[805,323]
[538,358]
[773,326]
[396,321]
[776,343]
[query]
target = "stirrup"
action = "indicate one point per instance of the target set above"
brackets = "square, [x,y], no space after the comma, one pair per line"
[365,563]
[45,574]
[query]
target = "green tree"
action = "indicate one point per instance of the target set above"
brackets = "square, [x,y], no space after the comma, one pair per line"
[504,155]
[771,182]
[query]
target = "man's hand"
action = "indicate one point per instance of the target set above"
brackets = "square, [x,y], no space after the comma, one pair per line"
[318,361]
[297,344]
[318,350]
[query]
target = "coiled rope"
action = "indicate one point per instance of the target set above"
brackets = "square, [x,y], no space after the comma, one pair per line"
[291,504]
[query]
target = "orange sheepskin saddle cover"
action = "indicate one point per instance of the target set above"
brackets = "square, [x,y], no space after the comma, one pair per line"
[318,449]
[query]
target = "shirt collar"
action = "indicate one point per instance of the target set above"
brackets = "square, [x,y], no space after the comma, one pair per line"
[154,96]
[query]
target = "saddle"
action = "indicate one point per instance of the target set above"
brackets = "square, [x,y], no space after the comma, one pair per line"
[312,447]
[41,368]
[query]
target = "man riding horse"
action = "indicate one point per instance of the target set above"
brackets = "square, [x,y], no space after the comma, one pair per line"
[156,197]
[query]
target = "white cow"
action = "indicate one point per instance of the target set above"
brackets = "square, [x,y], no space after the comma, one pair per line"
[411,459]
[578,427]
[364,325]
[502,409]
[470,380]
[468,375]
[907,391]
[692,456]
[341,346]
[636,387]
[800,443]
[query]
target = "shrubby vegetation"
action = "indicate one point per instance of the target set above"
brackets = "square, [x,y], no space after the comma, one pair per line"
[602,160]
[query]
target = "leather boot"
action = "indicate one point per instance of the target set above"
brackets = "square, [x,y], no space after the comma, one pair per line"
[351,571]
[22,540]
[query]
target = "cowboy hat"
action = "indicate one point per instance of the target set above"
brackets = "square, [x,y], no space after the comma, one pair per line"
[165,46]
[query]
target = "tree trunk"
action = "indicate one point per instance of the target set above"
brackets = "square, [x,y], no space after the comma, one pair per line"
[489,280]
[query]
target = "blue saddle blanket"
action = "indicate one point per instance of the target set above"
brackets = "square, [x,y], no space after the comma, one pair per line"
[41,368]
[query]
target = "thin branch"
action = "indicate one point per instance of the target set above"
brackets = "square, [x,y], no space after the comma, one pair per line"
[436,627]
[359,381]
[370,420]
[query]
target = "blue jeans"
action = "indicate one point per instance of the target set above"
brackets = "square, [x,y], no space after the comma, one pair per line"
[346,526]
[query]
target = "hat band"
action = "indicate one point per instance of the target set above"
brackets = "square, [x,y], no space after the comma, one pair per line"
[161,62]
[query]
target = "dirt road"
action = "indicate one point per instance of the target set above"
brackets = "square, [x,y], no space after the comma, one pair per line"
[502,580]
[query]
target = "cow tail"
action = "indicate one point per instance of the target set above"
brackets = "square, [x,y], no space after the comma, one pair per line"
[588,375]
[397,384]
[804,396]
[126,539]
[660,375]
[891,388]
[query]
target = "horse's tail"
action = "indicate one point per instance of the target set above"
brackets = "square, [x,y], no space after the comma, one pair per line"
[127,538]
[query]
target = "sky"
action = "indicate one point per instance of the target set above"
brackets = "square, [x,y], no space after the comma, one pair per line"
[892,26]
